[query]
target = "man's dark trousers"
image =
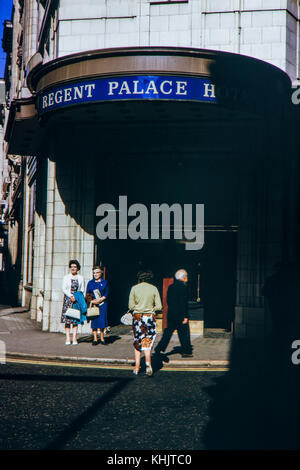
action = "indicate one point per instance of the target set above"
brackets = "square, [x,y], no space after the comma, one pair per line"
[183,333]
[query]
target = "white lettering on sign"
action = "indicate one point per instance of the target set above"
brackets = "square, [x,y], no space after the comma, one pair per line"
[58,96]
[209,90]
[51,99]
[131,87]
[181,88]
[136,91]
[78,92]
[152,88]
[112,86]
[162,87]
[90,87]
[68,94]
[124,88]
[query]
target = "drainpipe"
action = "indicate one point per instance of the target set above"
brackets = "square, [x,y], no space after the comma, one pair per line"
[239,27]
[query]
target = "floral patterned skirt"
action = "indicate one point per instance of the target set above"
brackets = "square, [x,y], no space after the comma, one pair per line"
[144,331]
[67,303]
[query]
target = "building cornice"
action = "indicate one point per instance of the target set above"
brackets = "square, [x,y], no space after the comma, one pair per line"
[144,60]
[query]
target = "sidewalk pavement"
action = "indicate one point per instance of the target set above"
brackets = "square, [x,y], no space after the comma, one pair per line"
[23,338]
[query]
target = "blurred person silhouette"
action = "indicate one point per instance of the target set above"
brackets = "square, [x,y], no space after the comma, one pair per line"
[281,292]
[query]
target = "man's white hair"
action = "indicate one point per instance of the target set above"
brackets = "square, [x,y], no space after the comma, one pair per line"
[180,274]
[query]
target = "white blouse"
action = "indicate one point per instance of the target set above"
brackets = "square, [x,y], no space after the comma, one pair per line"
[66,284]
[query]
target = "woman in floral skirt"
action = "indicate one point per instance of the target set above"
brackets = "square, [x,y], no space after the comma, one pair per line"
[72,283]
[144,302]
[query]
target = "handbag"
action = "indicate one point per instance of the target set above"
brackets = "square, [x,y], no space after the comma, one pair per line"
[92,312]
[126,319]
[73,313]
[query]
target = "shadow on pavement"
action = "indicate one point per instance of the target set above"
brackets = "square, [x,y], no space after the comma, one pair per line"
[66,436]
[108,339]
[158,360]
[256,404]
[112,339]
[69,432]
[175,350]
[55,378]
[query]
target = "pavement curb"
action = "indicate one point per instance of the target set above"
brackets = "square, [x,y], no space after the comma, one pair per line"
[107,361]
[47,357]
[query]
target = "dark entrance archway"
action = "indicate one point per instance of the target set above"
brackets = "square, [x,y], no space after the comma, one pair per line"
[158,168]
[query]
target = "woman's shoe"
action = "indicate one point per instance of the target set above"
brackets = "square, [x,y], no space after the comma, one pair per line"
[149,370]
[67,343]
[135,371]
[101,342]
[94,343]
[74,343]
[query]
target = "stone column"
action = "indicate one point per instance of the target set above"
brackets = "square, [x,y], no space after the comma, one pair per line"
[68,232]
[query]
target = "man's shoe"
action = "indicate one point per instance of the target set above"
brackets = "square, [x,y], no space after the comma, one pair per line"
[164,357]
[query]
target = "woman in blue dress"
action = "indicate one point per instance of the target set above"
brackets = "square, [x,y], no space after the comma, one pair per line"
[97,290]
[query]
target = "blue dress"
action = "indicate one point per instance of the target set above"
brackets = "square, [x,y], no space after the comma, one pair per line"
[102,286]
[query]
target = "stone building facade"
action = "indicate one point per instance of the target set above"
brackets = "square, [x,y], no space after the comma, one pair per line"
[53,151]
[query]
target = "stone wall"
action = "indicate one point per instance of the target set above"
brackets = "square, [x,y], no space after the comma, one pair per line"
[264,29]
[64,231]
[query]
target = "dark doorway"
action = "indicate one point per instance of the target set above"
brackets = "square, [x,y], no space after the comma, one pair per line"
[216,265]
[174,178]
[218,278]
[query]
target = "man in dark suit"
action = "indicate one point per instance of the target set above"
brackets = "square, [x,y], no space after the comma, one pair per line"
[178,316]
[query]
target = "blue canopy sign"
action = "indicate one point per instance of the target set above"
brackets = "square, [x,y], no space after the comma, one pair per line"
[142,87]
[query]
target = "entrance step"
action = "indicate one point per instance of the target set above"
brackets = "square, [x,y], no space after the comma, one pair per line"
[217,333]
